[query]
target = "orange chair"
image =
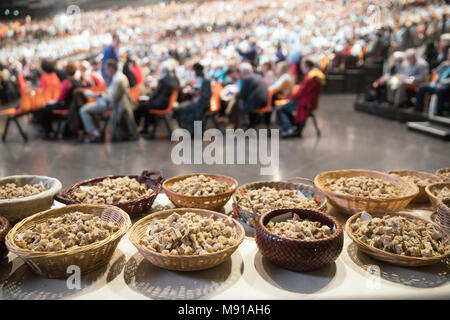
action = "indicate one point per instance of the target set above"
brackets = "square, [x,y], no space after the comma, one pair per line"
[265,112]
[135,93]
[281,102]
[214,106]
[163,114]
[13,114]
[38,100]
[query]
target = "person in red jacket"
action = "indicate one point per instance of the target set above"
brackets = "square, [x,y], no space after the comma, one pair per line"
[302,101]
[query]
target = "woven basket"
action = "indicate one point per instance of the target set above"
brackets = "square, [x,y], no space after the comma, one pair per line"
[349,204]
[299,255]
[443,214]
[182,262]
[17,209]
[442,174]
[215,202]
[87,258]
[422,197]
[251,218]
[4,228]
[392,258]
[431,192]
[132,207]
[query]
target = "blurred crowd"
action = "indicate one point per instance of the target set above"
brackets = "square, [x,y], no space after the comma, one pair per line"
[255,49]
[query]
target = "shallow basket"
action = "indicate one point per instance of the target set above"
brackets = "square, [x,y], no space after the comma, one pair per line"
[349,204]
[306,186]
[422,197]
[432,188]
[183,262]
[4,228]
[87,258]
[132,207]
[392,258]
[441,174]
[215,202]
[443,213]
[19,208]
[300,255]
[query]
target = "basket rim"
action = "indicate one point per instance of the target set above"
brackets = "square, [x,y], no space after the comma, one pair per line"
[359,198]
[68,191]
[10,242]
[212,175]
[367,247]
[424,173]
[146,219]
[51,192]
[441,170]
[334,236]
[437,184]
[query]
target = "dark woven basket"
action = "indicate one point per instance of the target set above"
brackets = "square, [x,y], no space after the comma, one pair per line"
[4,228]
[132,207]
[299,255]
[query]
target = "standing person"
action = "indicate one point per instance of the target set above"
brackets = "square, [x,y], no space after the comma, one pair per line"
[110,52]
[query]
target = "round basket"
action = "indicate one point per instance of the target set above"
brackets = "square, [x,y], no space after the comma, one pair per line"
[215,202]
[4,228]
[19,208]
[432,189]
[306,187]
[349,204]
[392,258]
[87,258]
[183,262]
[422,197]
[300,255]
[443,213]
[444,174]
[152,178]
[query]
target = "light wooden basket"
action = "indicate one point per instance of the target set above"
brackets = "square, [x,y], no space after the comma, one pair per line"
[183,262]
[422,197]
[19,208]
[215,202]
[349,204]
[443,214]
[432,189]
[87,258]
[392,258]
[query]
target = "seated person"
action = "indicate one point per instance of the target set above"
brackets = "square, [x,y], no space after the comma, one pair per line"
[282,87]
[192,110]
[303,101]
[440,87]
[160,97]
[48,77]
[412,74]
[384,82]
[117,99]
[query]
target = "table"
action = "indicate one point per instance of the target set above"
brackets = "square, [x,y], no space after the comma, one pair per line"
[247,275]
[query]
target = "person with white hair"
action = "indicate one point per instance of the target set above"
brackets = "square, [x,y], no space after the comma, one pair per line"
[392,69]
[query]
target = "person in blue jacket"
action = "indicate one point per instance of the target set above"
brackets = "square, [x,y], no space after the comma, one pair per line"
[110,52]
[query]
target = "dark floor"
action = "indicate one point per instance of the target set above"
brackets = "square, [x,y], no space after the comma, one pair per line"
[349,140]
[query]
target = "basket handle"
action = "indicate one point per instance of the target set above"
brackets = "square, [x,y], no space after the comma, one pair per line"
[146,176]
[301,180]
[62,197]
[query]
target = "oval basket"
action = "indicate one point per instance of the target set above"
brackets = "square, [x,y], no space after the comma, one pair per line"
[306,187]
[444,174]
[431,192]
[183,262]
[392,258]
[443,214]
[349,204]
[422,197]
[19,208]
[215,202]
[132,207]
[300,255]
[4,228]
[87,258]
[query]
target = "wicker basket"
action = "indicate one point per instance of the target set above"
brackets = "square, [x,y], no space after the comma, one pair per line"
[183,262]
[132,207]
[300,255]
[87,258]
[215,202]
[4,228]
[442,173]
[306,187]
[17,209]
[422,197]
[432,189]
[443,214]
[351,204]
[389,257]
